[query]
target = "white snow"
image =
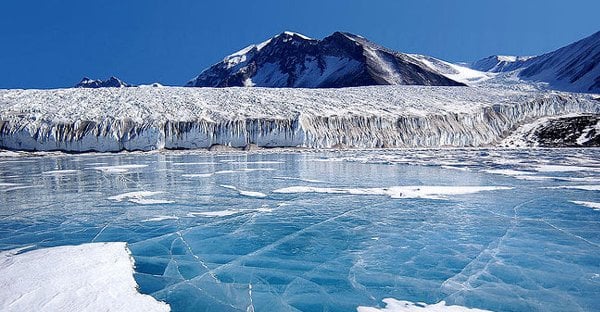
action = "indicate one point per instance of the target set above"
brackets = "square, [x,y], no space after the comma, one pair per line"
[139,197]
[577,187]
[291,33]
[160,218]
[245,193]
[116,119]
[394,305]
[593,205]
[564,168]
[118,169]
[421,191]
[197,175]
[89,277]
[455,72]
[219,213]
[60,172]
[586,133]
[508,172]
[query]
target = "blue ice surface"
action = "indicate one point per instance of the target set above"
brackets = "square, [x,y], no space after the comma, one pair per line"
[529,248]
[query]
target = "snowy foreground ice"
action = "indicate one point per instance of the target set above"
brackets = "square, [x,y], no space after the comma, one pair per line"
[91,277]
[385,230]
[147,118]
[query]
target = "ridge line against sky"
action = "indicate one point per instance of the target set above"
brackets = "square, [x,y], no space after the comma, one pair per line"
[54,43]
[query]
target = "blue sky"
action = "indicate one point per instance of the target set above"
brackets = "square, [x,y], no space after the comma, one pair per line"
[54,43]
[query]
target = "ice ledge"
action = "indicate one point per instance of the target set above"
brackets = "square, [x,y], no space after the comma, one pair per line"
[88,277]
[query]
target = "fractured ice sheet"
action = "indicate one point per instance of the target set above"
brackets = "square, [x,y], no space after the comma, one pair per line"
[92,277]
[524,248]
[421,191]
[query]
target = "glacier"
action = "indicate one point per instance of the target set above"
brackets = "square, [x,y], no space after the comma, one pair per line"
[150,118]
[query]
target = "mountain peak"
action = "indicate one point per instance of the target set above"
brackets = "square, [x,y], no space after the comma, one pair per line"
[339,60]
[288,33]
[112,82]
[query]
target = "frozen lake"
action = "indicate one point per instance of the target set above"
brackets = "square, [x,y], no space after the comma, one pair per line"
[325,231]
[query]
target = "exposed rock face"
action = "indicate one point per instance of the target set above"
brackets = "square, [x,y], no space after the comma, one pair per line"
[340,60]
[579,131]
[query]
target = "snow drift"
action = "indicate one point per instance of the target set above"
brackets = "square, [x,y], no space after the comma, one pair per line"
[116,119]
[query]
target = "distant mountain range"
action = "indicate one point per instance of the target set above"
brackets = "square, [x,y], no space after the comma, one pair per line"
[112,82]
[342,59]
[575,67]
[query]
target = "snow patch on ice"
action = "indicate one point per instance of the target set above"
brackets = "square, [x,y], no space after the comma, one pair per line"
[91,277]
[245,193]
[508,172]
[394,305]
[426,192]
[60,172]
[563,168]
[219,213]
[118,169]
[577,187]
[139,197]
[160,218]
[197,175]
[593,205]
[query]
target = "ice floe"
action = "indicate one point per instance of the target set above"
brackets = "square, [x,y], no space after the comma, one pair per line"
[89,277]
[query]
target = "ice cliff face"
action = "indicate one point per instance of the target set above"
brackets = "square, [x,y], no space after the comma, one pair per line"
[340,60]
[115,119]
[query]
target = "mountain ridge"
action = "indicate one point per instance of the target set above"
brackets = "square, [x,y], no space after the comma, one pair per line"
[340,60]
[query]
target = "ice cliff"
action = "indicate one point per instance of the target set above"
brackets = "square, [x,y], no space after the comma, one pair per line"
[143,118]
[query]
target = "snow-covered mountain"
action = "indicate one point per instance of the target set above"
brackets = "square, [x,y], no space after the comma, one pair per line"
[112,82]
[455,72]
[500,63]
[339,60]
[575,67]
